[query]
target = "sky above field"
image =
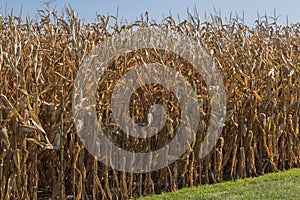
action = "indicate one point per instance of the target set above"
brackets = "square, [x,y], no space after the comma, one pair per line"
[158,9]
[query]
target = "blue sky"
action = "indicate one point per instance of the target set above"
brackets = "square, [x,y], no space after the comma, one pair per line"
[132,9]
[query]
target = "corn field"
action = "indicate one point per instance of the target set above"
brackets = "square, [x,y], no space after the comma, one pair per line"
[41,155]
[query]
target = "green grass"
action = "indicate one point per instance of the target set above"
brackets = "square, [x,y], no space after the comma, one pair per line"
[283,185]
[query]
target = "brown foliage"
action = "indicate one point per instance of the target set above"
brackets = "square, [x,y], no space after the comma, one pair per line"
[41,155]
